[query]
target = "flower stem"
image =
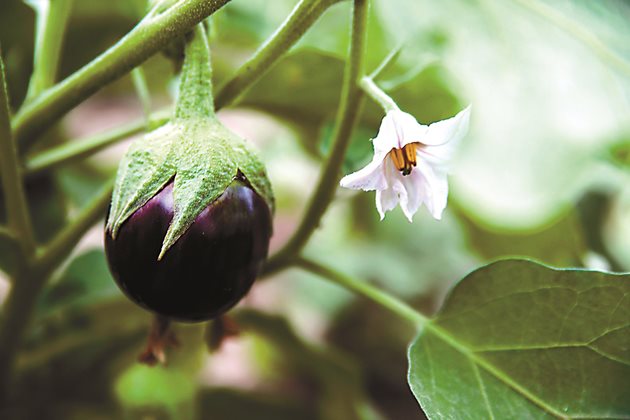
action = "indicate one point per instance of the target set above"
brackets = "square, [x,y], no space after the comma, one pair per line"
[378,95]
[381,297]
[142,90]
[347,116]
[195,98]
[74,150]
[388,61]
[19,221]
[148,37]
[52,19]
[303,16]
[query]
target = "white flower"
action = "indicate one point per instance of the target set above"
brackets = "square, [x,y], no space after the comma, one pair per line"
[410,163]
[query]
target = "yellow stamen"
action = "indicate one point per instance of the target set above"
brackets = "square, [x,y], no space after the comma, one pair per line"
[404,159]
[410,153]
[398,159]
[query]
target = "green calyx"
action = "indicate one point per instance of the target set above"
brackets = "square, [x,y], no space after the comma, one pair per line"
[194,149]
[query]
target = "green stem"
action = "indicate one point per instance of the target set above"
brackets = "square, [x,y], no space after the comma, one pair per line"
[378,95]
[579,32]
[18,309]
[148,37]
[16,315]
[387,62]
[19,221]
[381,297]
[142,90]
[195,86]
[78,149]
[6,234]
[303,16]
[60,247]
[347,116]
[52,19]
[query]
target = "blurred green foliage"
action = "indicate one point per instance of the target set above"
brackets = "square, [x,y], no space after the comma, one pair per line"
[551,120]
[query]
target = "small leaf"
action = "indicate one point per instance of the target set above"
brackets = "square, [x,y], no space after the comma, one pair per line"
[85,282]
[520,340]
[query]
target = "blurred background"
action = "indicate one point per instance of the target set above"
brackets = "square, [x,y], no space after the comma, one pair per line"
[543,174]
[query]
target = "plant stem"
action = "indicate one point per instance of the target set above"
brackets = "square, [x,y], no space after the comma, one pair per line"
[17,313]
[19,221]
[381,297]
[151,34]
[52,19]
[74,150]
[387,62]
[347,116]
[61,246]
[303,16]
[195,99]
[378,95]
[30,281]
[142,90]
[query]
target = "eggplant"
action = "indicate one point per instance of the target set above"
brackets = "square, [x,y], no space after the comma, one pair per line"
[208,269]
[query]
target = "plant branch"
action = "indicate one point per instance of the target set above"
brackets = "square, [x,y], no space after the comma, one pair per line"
[78,149]
[61,246]
[378,95]
[18,309]
[387,62]
[303,16]
[19,221]
[52,19]
[375,294]
[347,116]
[148,37]
[142,90]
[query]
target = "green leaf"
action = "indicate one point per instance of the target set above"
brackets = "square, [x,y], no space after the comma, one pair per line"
[560,243]
[85,282]
[520,340]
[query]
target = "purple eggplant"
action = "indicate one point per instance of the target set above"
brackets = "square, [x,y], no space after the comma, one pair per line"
[208,269]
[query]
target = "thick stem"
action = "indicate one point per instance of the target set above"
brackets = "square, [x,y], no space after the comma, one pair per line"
[195,86]
[347,116]
[29,282]
[148,37]
[12,186]
[303,16]
[378,95]
[16,315]
[52,19]
[381,297]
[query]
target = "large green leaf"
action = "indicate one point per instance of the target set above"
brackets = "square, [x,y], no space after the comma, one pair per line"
[520,340]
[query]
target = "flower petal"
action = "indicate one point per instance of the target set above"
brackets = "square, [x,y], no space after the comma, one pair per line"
[387,137]
[411,130]
[370,177]
[435,190]
[397,129]
[417,192]
[387,198]
[450,130]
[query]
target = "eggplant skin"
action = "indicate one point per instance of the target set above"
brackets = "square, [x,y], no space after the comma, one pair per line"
[207,270]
